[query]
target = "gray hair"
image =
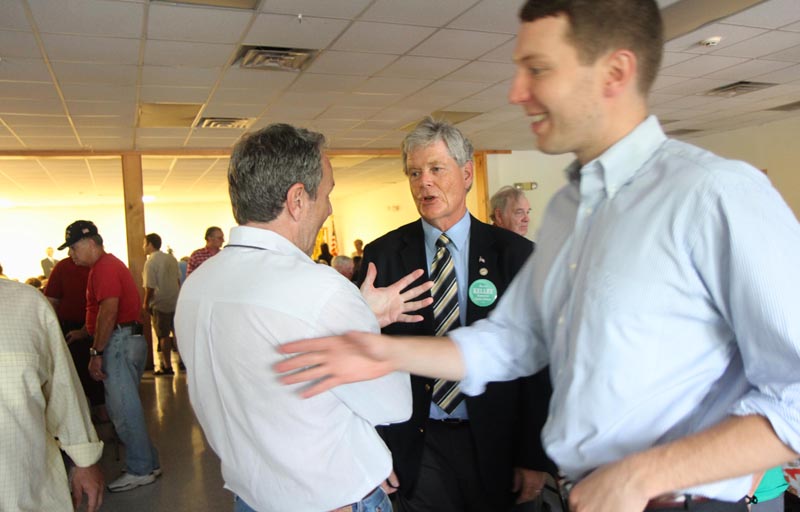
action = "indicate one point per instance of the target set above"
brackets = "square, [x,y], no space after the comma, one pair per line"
[428,132]
[266,163]
[500,199]
[342,262]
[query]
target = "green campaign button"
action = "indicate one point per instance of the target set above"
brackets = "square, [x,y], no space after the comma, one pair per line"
[482,293]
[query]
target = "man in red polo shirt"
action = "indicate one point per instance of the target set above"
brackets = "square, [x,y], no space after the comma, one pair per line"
[214,240]
[119,350]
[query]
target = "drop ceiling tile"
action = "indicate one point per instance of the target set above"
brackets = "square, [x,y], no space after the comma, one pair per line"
[180,76]
[256,78]
[92,121]
[193,55]
[27,106]
[794,27]
[322,8]
[244,96]
[108,143]
[666,80]
[748,70]
[368,100]
[51,142]
[163,132]
[416,12]
[490,16]
[780,76]
[207,142]
[392,85]
[699,103]
[165,94]
[293,98]
[309,83]
[327,126]
[429,68]
[27,90]
[771,14]
[404,114]
[95,17]
[790,54]
[502,53]
[14,17]
[476,104]
[15,121]
[280,111]
[113,108]
[485,72]
[91,92]
[452,88]
[765,44]
[196,23]
[349,113]
[695,86]
[102,132]
[702,65]
[93,73]
[158,142]
[428,103]
[217,133]
[378,124]
[91,49]
[18,44]
[730,34]
[44,131]
[25,70]
[381,37]
[285,31]
[672,58]
[459,44]
[350,63]
[215,109]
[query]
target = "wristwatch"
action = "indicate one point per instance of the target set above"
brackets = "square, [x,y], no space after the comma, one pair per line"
[93,352]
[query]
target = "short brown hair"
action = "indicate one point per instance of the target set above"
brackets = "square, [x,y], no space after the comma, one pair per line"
[600,26]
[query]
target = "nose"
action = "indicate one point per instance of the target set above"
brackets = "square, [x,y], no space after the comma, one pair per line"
[519,92]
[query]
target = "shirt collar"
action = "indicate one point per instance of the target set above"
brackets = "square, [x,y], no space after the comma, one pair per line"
[619,164]
[457,234]
[263,239]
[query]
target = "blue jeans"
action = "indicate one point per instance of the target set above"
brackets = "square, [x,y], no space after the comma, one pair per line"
[123,363]
[378,501]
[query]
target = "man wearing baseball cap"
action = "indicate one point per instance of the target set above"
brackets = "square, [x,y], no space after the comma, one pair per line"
[118,351]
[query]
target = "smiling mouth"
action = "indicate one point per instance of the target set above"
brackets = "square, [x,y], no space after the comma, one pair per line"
[537,118]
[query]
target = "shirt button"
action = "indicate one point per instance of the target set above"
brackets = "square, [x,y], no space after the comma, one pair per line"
[573,266]
[421,430]
[588,211]
[427,387]
[560,320]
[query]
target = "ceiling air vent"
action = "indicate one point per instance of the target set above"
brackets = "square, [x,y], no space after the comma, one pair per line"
[223,122]
[737,89]
[682,131]
[789,107]
[275,58]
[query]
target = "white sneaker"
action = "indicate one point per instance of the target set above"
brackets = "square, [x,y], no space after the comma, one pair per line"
[127,481]
[156,472]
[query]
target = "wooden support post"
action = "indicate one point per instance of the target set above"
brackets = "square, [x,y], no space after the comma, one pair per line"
[480,182]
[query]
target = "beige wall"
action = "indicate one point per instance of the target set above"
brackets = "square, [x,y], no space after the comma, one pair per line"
[521,166]
[773,146]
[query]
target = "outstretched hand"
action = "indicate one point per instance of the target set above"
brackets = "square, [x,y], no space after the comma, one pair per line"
[335,360]
[391,304]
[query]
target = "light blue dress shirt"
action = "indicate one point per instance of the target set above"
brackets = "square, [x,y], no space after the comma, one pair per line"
[665,294]
[459,252]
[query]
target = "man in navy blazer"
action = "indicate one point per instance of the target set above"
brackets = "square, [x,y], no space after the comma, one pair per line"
[486,454]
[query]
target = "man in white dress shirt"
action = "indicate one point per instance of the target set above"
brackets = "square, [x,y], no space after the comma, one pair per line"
[280,452]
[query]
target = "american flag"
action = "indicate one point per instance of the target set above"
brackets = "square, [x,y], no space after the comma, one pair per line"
[334,247]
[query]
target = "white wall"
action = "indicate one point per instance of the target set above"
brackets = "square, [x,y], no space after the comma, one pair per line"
[522,166]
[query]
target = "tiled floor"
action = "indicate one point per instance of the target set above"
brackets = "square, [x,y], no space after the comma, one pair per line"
[191,480]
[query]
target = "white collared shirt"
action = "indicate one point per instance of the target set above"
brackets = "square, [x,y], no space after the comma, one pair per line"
[278,451]
[41,399]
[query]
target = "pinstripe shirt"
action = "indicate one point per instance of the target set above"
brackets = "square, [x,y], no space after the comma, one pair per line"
[664,293]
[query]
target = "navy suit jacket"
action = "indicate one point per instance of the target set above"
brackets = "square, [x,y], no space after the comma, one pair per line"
[506,420]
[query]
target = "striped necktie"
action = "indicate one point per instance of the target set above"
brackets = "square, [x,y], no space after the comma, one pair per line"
[446,394]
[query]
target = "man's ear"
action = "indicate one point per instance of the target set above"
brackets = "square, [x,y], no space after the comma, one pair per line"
[469,174]
[296,200]
[621,72]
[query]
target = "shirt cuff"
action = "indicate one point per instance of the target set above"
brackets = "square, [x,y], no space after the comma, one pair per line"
[783,415]
[84,454]
[471,384]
